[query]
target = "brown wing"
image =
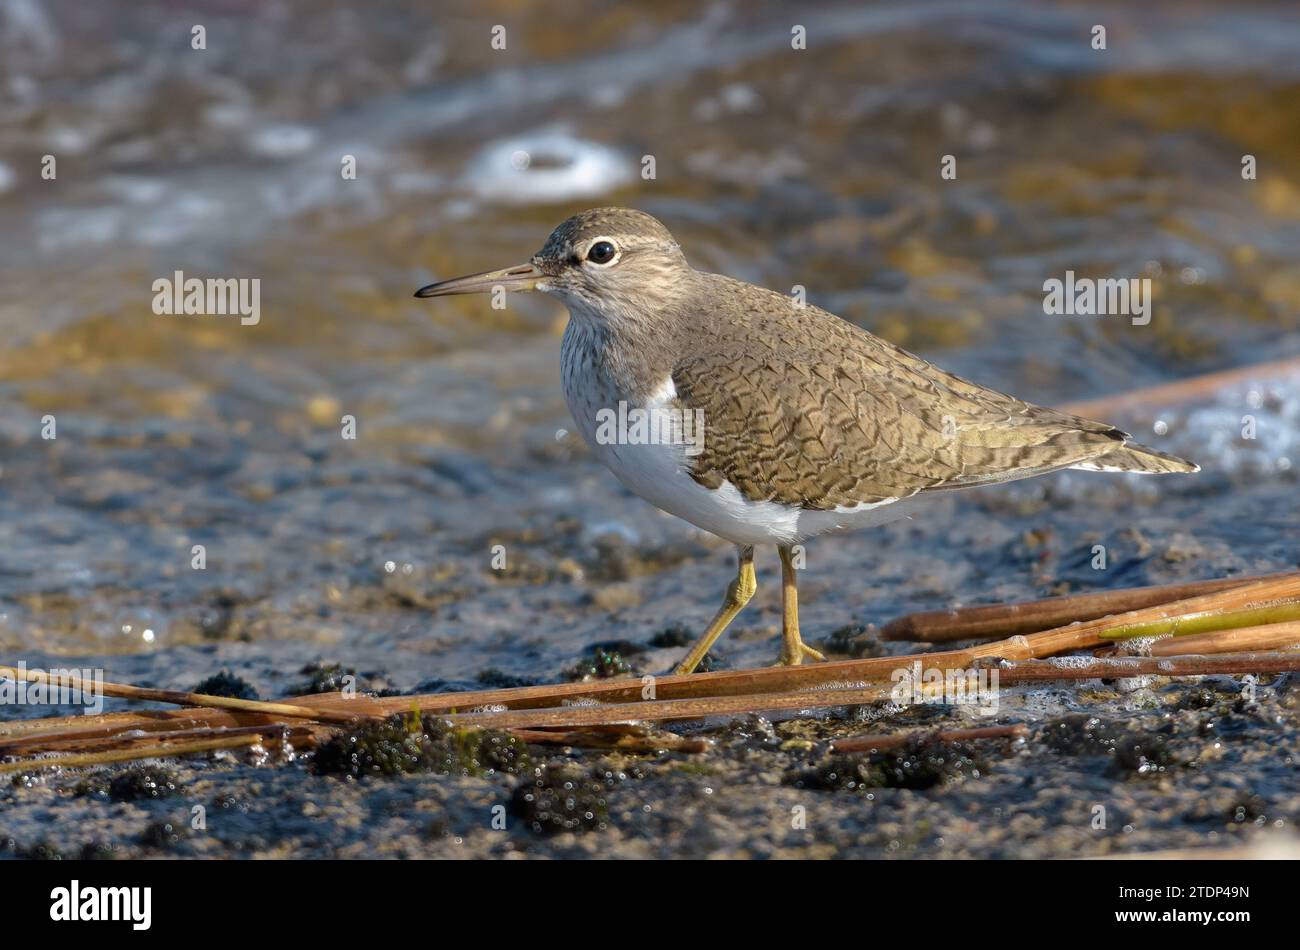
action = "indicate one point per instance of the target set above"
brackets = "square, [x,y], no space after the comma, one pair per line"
[816,412]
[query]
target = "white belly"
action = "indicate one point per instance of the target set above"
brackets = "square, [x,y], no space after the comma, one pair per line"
[659,472]
[660,475]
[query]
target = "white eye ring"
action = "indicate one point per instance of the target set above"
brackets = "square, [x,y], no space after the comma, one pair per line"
[586,254]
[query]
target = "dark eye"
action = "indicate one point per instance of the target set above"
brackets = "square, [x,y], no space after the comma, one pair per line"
[602,252]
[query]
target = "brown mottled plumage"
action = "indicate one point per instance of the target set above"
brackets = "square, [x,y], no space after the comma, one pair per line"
[810,422]
[807,409]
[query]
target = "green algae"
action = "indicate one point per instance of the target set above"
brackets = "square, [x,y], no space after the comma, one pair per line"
[601,664]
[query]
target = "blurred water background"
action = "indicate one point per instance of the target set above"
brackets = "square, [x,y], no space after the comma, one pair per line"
[817,167]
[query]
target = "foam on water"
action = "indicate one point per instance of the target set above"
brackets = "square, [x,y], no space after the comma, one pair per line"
[281,141]
[546,166]
[1071,662]
[1131,684]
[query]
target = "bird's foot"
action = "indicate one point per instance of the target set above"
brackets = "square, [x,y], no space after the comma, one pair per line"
[800,652]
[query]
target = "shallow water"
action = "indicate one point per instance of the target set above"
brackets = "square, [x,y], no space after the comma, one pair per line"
[816,167]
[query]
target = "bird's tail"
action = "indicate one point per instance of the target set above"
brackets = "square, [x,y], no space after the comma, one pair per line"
[1131,457]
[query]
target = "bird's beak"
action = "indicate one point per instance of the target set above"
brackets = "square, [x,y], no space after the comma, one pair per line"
[522,277]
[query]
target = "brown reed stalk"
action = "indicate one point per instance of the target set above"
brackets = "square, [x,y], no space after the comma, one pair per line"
[882,742]
[156,751]
[701,707]
[988,621]
[610,703]
[578,720]
[785,679]
[1206,621]
[1184,390]
[103,723]
[626,741]
[746,683]
[180,698]
[1075,668]
[33,745]
[1271,636]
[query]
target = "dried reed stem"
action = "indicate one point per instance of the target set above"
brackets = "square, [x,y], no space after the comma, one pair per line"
[605,705]
[879,743]
[625,742]
[158,751]
[1005,620]
[1271,636]
[1205,621]
[1184,390]
[1076,668]
[179,698]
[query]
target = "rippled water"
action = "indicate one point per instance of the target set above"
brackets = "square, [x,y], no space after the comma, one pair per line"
[817,167]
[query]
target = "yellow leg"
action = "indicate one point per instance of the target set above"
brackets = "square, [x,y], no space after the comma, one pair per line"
[738,593]
[793,650]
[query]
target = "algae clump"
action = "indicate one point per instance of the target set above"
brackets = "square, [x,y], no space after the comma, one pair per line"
[405,745]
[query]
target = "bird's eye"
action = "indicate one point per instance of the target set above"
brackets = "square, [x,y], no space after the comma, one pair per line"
[602,252]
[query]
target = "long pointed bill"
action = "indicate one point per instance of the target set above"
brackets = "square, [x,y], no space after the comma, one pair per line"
[522,277]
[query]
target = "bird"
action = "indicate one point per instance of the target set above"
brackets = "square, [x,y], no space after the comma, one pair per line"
[778,421]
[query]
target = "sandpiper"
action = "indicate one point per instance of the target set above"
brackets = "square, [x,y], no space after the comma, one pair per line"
[811,424]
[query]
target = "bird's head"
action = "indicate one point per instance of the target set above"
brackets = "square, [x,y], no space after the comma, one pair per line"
[605,261]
